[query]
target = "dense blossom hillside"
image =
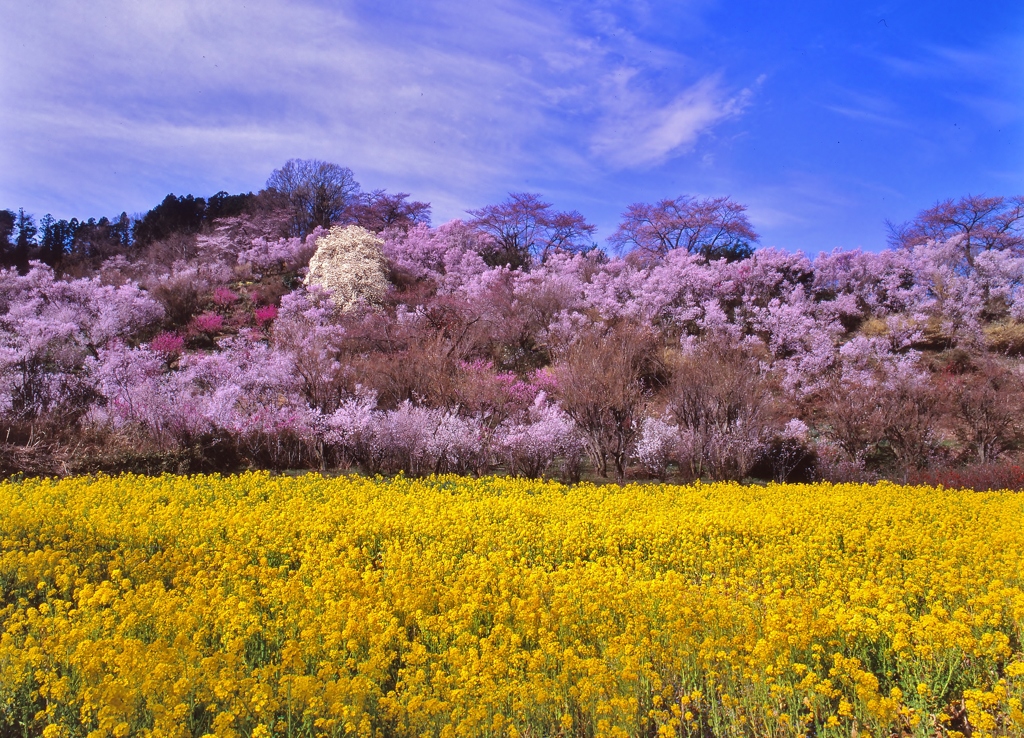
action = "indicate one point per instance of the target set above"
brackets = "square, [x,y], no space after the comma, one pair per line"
[508,342]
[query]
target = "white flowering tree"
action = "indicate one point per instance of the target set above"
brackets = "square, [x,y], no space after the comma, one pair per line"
[349,262]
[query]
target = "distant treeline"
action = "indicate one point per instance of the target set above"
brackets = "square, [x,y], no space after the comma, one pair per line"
[301,196]
[23,238]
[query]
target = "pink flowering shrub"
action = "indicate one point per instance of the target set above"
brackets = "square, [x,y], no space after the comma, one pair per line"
[223,297]
[169,345]
[284,254]
[349,432]
[136,393]
[449,255]
[244,396]
[409,438]
[531,444]
[306,331]
[207,323]
[656,446]
[719,400]
[49,328]
[264,315]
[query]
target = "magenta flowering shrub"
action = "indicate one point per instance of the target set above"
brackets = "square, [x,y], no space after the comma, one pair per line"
[168,345]
[223,297]
[492,396]
[207,323]
[264,315]
[184,289]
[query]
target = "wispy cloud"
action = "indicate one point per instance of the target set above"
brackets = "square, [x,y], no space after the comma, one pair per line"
[638,130]
[935,61]
[111,104]
[447,98]
[876,109]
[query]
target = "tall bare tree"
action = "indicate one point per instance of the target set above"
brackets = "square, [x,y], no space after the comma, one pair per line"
[719,398]
[318,192]
[380,210]
[605,379]
[989,405]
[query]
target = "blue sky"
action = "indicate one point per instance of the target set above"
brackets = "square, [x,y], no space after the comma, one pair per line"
[825,119]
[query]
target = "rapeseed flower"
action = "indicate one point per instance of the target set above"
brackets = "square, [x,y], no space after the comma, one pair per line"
[259,605]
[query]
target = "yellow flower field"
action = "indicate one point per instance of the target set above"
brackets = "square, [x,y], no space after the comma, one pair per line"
[261,605]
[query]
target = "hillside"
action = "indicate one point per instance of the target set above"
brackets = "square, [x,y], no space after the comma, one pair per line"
[509,341]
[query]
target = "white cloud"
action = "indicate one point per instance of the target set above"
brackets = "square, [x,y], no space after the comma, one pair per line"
[449,100]
[639,131]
